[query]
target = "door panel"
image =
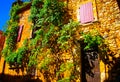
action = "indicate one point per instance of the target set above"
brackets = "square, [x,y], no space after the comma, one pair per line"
[90,65]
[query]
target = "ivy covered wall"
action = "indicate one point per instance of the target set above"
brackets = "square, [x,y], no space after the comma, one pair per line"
[53,51]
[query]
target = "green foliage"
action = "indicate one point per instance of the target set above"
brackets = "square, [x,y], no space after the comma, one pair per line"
[92,39]
[51,12]
[32,61]
[33,57]
[64,67]
[45,19]
[16,57]
[33,42]
[67,33]
[67,79]
[51,36]
[35,9]
[11,36]
[13,12]
[11,32]
[47,35]
[45,63]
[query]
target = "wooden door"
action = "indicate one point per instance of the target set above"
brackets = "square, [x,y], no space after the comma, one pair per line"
[90,65]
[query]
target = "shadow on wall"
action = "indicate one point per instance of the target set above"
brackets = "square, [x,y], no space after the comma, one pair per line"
[9,78]
[118,1]
[112,63]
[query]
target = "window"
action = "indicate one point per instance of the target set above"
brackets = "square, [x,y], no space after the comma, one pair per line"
[87,12]
[19,33]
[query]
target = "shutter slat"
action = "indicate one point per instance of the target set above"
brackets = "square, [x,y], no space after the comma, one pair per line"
[86,13]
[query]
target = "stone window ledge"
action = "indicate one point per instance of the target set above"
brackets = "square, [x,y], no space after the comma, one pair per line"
[91,23]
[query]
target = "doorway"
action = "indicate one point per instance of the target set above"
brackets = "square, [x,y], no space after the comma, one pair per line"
[90,64]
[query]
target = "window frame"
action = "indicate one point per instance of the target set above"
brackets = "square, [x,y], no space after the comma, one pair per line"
[20,29]
[95,15]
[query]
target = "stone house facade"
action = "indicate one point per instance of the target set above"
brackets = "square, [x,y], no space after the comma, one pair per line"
[104,16]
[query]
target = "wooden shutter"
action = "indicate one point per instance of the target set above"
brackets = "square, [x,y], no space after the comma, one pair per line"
[86,13]
[19,33]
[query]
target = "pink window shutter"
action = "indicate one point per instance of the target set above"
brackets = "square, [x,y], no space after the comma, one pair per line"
[86,13]
[19,33]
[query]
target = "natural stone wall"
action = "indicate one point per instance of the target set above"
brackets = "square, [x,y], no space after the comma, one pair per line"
[24,20]
[109,18]
[107,22]
[25,35]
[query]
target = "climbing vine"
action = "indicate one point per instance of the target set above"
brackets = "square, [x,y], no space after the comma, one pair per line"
[51,35]
[51,38]
[92,39]
[66,33]
[11,33]
[46,19]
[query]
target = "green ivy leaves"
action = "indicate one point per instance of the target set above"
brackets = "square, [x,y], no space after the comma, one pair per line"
[92,39]
[67,33]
